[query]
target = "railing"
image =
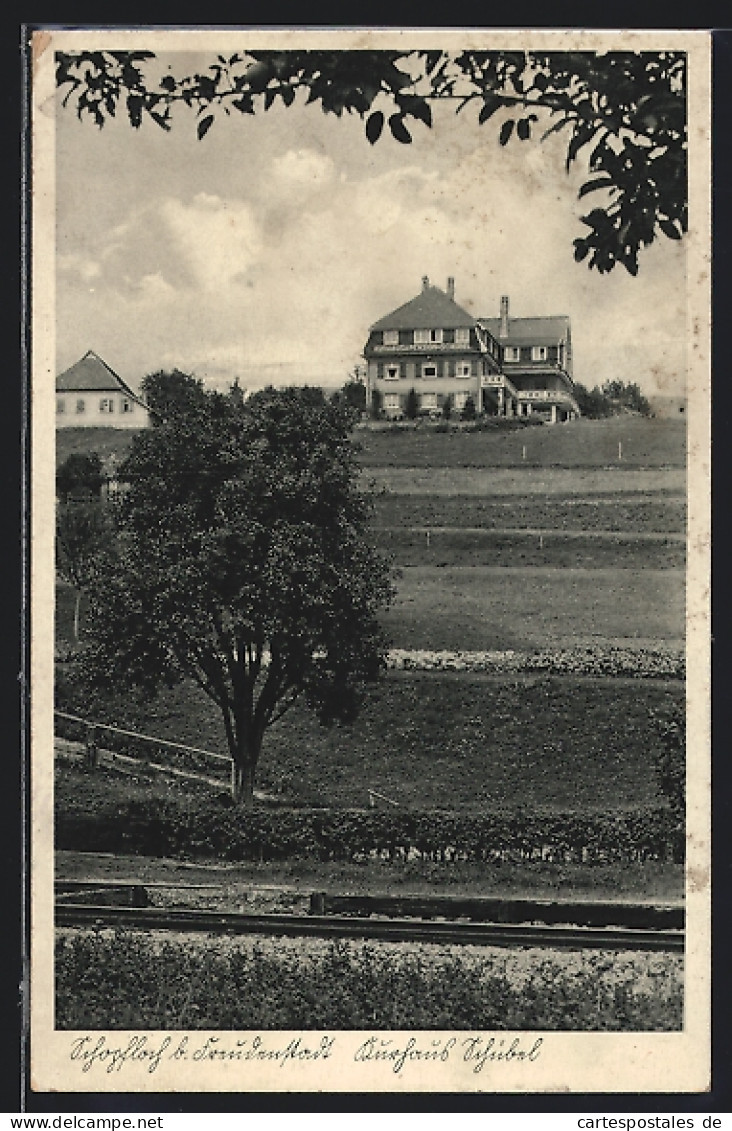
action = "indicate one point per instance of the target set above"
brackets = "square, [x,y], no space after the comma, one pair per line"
[143,737]
[93,755]
[373,794]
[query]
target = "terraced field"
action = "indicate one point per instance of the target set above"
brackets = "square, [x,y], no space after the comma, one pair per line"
[498,553]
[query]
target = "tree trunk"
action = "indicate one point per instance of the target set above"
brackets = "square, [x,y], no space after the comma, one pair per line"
[242,779]
[77,610]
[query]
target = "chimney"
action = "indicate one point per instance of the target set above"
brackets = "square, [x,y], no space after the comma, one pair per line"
[451,287]
[503,333]
[425,282]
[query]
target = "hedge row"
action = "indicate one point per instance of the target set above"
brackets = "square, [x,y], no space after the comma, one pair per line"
[193,827]
[664,663]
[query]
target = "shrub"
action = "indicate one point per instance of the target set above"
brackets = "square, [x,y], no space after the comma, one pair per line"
[127,981]
[670,756]
[202,826]
[468,412]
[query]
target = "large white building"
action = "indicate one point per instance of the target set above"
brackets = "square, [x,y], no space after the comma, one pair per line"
[506,366]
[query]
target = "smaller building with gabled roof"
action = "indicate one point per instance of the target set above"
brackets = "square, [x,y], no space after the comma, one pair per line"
[91,395]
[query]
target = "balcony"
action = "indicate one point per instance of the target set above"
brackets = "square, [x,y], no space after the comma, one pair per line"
[423,347]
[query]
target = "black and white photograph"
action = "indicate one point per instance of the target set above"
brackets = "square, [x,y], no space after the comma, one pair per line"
[370,412]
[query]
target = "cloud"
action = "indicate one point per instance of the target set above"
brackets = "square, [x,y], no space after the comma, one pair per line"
[219,239]
[304,168]
[273,264]
[79,266]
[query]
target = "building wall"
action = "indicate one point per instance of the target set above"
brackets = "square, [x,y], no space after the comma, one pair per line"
[456,377]
[85,409]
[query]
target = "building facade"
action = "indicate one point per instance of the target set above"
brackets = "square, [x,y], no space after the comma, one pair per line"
[506,366]
[91,395]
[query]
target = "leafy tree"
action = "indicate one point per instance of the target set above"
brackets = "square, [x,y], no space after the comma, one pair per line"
[81,474]
[243,563]
[352,395]
[621,395]
[468,412]
[173,395]
[411,407]
[447,407]
[591,402]
[236,392]
[614,397]
[670,756]
[83,534]
[624,111]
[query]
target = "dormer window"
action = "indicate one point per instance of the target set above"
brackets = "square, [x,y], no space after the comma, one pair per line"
[511,353]
[462,336]
[427,337]
[538,353]
[391,337]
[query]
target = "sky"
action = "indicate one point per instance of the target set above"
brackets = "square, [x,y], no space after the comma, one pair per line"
[265,251]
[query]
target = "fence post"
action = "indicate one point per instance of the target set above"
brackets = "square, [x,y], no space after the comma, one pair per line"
[92,747]
[317,903]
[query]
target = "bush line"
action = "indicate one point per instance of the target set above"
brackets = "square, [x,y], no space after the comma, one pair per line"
[660,663]
[192,827]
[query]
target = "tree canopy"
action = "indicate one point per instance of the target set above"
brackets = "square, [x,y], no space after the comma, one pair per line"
[613,398]
[81,474]
[623,111]
[243,562]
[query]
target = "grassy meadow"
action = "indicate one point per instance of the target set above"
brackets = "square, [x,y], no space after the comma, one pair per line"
[451,741]
[579,444]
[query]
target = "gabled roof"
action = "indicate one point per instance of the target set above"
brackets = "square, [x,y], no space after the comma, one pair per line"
[91,374]
[545,331]
[432,309]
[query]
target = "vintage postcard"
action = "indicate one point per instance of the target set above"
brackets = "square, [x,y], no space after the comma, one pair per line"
[370,412]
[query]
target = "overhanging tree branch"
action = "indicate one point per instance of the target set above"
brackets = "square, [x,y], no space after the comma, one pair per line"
[629,107]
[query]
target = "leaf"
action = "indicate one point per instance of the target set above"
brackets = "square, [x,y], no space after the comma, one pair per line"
[669,229]
[491,103]
[399,130]
[245,104]
[581,250]
[506,131]
[598,183]
[374,126]
[580,137]
[421,110]
[162,119]
[204,126]
[523,129]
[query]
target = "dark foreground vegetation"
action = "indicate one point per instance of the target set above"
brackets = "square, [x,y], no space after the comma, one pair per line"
[118,981]
[94,813]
